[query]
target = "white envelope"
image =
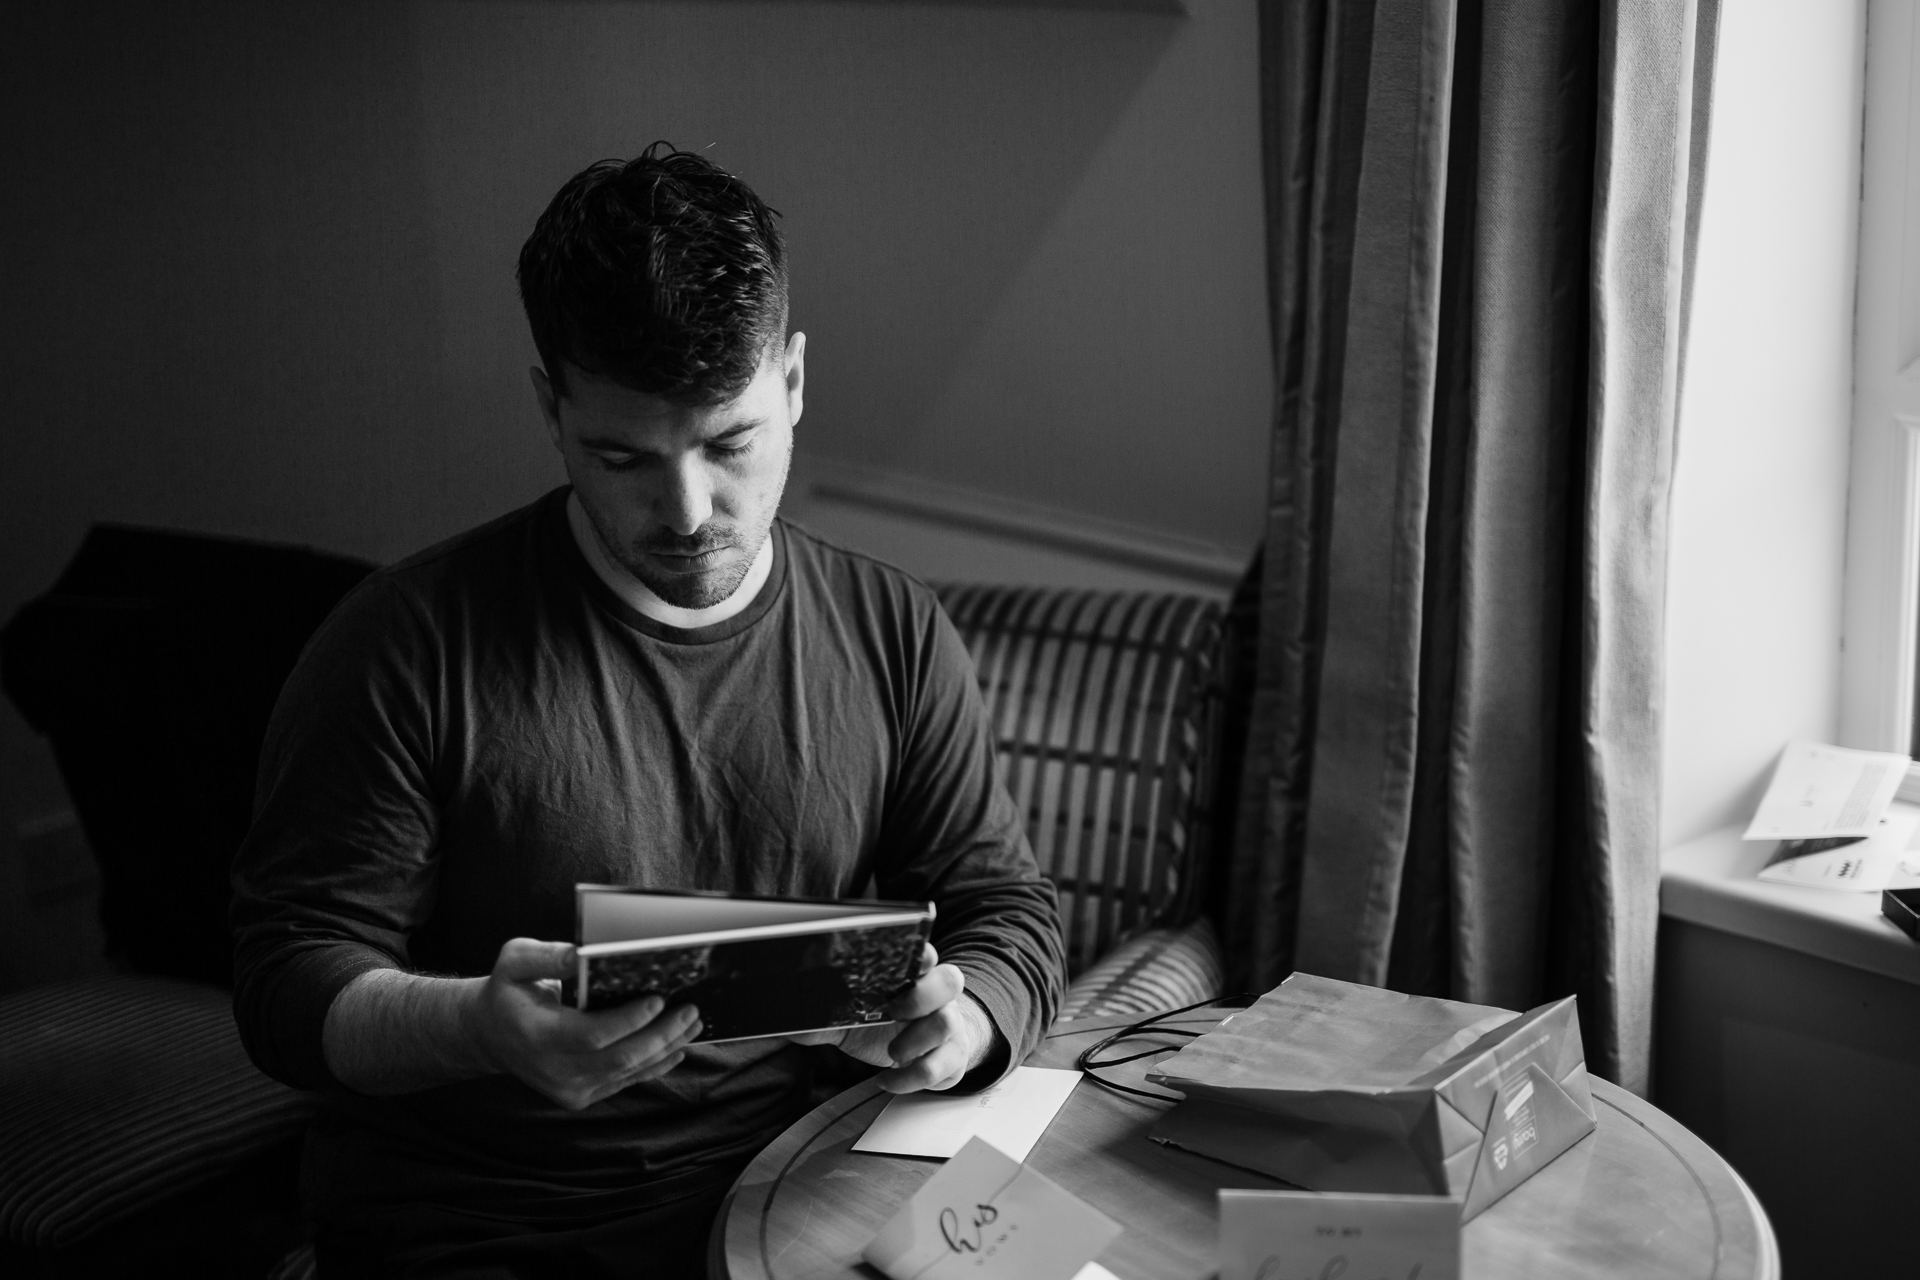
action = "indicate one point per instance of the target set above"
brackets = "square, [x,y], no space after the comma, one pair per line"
[1011,1115]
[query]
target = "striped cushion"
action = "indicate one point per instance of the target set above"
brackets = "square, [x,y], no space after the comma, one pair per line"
[118,1093]
[1105,714]
[1155,970]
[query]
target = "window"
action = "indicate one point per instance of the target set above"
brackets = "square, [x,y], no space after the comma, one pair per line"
[1878,707]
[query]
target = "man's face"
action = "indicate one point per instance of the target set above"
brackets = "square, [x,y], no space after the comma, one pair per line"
[681,498]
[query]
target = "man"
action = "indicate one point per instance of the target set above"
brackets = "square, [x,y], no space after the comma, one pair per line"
[644,678]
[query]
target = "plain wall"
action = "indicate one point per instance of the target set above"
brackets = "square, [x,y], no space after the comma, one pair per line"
[1758,526]
[261,268]
[258,277]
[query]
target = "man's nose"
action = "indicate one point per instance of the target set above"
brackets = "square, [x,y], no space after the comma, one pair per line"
[687,500]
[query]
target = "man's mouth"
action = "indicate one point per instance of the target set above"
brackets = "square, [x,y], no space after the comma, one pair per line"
[688,561]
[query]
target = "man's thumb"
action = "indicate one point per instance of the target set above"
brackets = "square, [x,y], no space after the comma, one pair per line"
[529,960]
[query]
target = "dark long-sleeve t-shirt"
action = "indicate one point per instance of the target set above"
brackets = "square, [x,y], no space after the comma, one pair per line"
[482,726]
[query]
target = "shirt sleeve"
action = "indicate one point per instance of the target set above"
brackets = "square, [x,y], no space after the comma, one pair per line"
[338,867]
[952,836]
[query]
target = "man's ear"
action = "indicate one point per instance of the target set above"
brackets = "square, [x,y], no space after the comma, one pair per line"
[549,402]
[795,365]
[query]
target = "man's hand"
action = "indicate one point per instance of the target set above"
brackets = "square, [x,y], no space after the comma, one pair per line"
[390,1032]
[574,1058]
[945,1035]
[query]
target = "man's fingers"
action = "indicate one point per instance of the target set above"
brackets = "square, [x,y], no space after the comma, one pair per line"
[937,988]
[652,1071]
[673,1030]
[644,1056]
[573,1057]
[589,1077]
[576,1032]
[919,1038]
[529,960]
[941,1069]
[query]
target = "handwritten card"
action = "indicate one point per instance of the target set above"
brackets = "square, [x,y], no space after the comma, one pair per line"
[1011,1115]
[986,1216]
[1311,1235]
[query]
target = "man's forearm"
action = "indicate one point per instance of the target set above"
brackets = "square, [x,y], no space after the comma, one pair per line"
[390,1032]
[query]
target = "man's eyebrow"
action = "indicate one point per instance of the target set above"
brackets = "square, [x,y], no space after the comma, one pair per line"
[613,444]
[606,444]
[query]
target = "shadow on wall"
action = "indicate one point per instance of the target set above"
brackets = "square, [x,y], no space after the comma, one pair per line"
[917,152]
[229,305]
[270,291]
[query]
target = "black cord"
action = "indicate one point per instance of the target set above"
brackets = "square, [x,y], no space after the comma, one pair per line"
[1146,1027]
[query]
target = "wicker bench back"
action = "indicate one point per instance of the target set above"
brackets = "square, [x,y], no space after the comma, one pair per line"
[1104,707]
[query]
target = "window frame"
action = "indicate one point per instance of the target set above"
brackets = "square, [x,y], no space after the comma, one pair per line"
[1880,643]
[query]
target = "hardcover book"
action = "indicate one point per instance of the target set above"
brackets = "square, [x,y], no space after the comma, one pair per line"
[752,966]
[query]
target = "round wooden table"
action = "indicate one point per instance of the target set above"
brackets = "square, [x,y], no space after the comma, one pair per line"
[1639,1197]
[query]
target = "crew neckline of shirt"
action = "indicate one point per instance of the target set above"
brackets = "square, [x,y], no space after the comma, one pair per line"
[553,519]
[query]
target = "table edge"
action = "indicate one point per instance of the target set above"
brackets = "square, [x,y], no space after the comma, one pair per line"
[1754,1238]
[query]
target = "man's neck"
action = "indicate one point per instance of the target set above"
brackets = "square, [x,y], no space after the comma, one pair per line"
[640,597]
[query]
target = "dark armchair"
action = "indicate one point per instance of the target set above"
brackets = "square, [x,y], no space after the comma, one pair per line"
[134,1132]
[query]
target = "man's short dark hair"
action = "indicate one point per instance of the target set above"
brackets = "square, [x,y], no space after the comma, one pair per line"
[664,273]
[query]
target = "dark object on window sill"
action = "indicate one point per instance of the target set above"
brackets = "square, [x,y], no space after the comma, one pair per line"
[1902,906]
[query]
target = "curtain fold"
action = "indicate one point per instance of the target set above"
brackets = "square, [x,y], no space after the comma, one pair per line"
[1480,217]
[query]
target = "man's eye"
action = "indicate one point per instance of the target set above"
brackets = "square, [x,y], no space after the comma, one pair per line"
[731,447]
[618,461]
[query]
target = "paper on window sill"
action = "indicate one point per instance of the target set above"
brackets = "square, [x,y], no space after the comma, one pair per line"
[1880,861]
[1821,792]
[1011,1115]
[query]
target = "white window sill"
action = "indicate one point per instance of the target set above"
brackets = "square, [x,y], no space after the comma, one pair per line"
[1713,881]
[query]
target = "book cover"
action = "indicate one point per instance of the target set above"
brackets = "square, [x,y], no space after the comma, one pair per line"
[753,966]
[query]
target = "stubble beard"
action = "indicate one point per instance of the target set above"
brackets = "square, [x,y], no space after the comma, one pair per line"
[697,590]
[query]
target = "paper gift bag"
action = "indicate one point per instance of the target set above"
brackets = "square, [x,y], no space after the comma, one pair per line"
[1335,1086]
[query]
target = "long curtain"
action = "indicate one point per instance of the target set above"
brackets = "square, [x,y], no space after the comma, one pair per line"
[1480,218]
